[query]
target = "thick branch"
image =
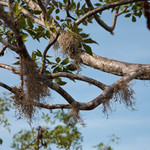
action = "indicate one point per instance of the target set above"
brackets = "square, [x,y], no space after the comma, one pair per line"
[113,66]
[62,92]
[101,22]
[104,7]
[12,69]
[78,77]
[109,91]
[13,25]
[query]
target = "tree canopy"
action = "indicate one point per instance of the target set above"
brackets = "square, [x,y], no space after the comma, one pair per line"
[59,22]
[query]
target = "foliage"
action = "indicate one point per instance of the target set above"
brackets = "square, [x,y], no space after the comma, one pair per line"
[102,146]
[5,105]
[65,135]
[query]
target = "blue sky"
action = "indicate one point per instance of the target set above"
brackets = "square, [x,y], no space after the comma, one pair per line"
[130,42]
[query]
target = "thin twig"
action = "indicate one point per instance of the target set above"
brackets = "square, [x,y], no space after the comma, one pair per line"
[45,52]
[2,50]
[68,9]
[123,11]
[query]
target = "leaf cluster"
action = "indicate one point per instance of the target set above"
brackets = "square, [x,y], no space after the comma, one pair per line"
[66,135]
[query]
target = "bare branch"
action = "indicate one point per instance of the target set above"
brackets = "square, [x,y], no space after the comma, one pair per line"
[62,92]
[78,77]
[113,66]
[12,69]
[45,52]
[33,5]
[68,9]
[123,11]
[54,106]
[109,91]
[3,50]
[104,7]
[42,6]
[101,22]
[6,87]
[10,7]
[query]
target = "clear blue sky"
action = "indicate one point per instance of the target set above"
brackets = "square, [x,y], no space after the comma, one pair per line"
[131,42]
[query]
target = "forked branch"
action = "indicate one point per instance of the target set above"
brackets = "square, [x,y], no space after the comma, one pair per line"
[104,7]
[101,22]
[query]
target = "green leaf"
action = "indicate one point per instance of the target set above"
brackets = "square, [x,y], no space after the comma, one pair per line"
[71,67]
[84,35]
[1,141]
[58,59]
[89,41]
[97,4]
[16,63]
[57,11]
[17,13]
[24,36]
[127,15]
[65,61]
[37,12]
[133,19]
[30,23]
[57,17]
[84,23]
[60,82]
[38,53]
[87,49]
[33,56]
[50,11]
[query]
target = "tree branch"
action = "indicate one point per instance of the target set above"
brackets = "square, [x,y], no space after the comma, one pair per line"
[3,50]
[12,69]
[109,91]
[45,52]
[101,22]
[6,87]
[113,66]
[42,6]
[14,27]
[67,10]
[62,92]
[78,77]
[10,7]
[54,106]
[7,44]
[104,7]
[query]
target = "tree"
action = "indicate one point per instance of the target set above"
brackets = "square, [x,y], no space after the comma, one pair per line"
[39,73]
